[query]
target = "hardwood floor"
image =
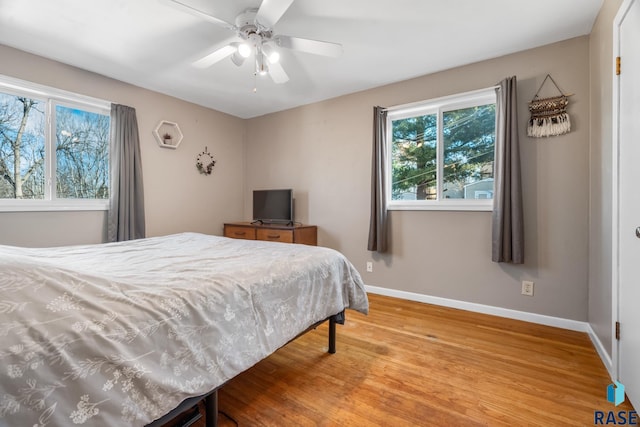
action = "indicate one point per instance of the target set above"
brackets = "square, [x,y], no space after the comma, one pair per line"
[414,364]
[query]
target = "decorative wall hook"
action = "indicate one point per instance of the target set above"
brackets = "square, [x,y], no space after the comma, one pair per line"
[205,162]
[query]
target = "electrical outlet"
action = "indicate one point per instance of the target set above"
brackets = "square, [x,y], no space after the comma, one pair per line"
[369,267]
[527,288]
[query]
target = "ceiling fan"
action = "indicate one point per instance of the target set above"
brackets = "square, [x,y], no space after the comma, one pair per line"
[255,36]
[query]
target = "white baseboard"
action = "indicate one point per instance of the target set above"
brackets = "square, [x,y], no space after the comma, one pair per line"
[541,319]
[604,356]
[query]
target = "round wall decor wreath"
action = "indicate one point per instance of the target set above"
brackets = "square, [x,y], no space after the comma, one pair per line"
[205,162]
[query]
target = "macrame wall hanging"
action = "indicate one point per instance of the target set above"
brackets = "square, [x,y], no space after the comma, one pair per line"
[549,116]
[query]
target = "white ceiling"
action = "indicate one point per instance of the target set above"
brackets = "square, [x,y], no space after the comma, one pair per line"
[152,43]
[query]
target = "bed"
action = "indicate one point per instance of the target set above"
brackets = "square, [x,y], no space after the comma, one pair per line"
[123,333]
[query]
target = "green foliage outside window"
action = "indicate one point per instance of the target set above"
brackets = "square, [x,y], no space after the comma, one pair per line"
[468,139]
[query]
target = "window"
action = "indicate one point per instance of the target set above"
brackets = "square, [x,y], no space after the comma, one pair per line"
[441,153]
[54,148]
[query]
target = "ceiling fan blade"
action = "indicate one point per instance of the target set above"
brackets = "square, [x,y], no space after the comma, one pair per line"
[204,15]
[277,73]
[215,56]
[271,11]
[310,46]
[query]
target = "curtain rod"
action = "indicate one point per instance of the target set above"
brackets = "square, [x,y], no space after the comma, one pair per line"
[442,98]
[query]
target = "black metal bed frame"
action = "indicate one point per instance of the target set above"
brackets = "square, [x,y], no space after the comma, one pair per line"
[211,398]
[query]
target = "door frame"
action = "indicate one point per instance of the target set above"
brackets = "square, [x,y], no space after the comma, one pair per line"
[615,195]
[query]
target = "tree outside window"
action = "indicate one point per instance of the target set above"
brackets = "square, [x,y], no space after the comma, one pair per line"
[442,151]
[22,145]
[82,148]
[72,163]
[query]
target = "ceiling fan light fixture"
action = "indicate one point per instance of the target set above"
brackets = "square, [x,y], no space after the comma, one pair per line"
[273,56]
[244,50]
[237,59]
[255,35]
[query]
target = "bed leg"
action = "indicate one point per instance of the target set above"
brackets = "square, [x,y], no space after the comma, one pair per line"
[211,408]
[332,334]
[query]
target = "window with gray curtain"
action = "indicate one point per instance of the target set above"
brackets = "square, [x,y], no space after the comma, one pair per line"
[507,214]
[126,205]
[507,242]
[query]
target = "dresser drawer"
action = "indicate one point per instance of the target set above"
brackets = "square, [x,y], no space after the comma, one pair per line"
[299,233]
[285,236]
[238,232]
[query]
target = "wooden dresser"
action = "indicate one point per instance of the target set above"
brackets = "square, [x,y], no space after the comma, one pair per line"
[305,234]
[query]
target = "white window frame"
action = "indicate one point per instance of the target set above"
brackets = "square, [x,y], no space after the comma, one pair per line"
[436,106]
[52,97]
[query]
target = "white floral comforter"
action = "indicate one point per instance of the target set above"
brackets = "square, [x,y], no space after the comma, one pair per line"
[121,333]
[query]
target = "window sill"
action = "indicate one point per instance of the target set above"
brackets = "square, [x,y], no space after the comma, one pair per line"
[462,205]
[46,205]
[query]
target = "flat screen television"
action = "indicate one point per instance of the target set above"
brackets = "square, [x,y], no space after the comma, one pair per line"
[273,206]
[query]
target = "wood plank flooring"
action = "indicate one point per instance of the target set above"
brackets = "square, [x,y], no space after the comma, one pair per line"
[414,364]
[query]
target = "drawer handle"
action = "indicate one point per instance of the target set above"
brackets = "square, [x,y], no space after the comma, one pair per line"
[273,236]
[238,233]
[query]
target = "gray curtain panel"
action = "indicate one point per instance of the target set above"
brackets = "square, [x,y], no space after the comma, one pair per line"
[378,222]
[126,210]
[507,219]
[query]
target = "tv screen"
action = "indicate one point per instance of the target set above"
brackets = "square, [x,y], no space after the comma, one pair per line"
[273,205]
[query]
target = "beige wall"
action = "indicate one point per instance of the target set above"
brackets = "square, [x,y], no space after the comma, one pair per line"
[601,179]
[177,197]
[323,152]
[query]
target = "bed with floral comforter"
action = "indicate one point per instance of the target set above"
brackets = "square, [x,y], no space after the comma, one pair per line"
[121,333]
